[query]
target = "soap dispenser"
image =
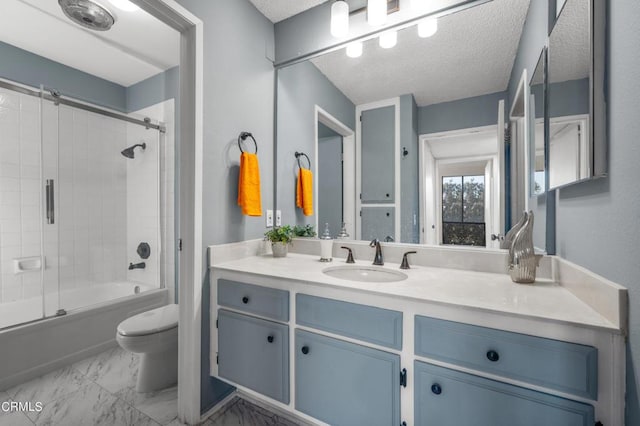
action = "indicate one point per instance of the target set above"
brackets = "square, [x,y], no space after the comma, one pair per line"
[326,245]
[343,235]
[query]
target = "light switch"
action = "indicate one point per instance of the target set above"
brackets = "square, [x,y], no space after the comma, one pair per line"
[269,218]
[278,218]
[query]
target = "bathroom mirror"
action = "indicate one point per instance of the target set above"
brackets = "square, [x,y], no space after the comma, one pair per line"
[577,134]
[537,169]
[421,129]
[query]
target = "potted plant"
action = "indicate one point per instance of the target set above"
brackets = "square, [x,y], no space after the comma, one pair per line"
[306,231]
[280,238]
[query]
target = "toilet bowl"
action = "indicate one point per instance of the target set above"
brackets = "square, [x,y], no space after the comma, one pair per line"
[154,335]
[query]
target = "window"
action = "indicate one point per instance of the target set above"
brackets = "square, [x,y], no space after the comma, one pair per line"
[463,210]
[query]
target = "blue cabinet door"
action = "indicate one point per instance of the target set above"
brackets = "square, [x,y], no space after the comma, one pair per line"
[346,384]
[378,155]
[445,397]
[378,222]
[254,353]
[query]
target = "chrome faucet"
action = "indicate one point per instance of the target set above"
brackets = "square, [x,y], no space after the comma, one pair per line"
[377,260]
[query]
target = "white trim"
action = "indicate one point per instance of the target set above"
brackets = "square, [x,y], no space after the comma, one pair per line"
[395,102]
[348,173]
[190,205]
[520,149]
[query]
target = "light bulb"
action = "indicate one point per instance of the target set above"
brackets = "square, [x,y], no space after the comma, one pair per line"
[125,5]
[376,12]
[354,50]
[339,19]
[388,39]
[427,27]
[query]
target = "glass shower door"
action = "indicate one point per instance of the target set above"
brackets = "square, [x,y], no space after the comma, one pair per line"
[21,292]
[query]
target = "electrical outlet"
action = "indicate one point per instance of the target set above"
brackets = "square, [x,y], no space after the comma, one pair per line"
[269,218]
[278,218]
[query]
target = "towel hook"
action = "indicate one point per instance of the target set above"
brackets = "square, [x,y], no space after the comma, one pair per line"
[300,154]
[245,135]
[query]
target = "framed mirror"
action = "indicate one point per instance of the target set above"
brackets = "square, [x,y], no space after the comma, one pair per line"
[537,149]
[576,84]
[418,152]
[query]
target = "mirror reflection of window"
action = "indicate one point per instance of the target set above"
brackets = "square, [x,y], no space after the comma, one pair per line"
[463,208]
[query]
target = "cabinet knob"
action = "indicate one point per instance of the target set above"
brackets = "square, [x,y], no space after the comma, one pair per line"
[493,356]
[305,350]
[436,389]
[387,195]
[270,339]
[245,300]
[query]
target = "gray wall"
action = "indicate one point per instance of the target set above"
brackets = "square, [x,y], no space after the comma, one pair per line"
[153,90]
[238,96]
[409,173]
[329,181]
[461,114]
[33,70]
[598,223]
[300,88]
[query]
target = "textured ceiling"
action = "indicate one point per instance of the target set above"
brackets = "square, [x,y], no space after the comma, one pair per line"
[277,10]
[569,43]
[138,46]
[472,54]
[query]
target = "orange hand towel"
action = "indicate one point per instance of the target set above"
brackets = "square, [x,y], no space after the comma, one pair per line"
[249,185]
[304,191]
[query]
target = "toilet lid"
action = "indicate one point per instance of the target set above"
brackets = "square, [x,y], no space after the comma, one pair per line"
[149,322]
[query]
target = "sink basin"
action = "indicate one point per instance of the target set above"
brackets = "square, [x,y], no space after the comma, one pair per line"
[372,274]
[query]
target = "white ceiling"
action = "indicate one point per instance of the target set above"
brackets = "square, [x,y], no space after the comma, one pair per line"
[138,46]
[569,49]
[277,10]
[472,54]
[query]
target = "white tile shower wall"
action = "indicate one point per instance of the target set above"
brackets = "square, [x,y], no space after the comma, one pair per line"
[19,192]
[91,195]
[163,112]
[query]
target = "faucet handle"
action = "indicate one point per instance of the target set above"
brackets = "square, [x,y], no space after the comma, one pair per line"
[350,255]
[374,242]
[405,261]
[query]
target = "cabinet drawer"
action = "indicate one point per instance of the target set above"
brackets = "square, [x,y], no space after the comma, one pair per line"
[445,397]
[344,384]
[254,353]
[375,325]
[563,366]
[263,301]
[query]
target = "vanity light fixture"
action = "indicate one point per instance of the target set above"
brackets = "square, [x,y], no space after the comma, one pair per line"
[376,12]
[427,27]
[124,5]
[339,19]
[354,50]
[388,39]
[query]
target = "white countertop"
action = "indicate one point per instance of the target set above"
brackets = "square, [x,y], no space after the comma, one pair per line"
[481,290]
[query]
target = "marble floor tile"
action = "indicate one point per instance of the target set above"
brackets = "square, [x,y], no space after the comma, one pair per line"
[239,412]
[161,406]
[14,419]
[91,405]
[114,370]
[48,387]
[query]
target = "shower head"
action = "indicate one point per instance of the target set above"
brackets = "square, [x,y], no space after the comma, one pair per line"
[129,151]
[88,13]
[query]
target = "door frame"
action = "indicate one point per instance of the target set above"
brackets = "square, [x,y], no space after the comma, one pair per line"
[348,170]
[429,170]
[188,199]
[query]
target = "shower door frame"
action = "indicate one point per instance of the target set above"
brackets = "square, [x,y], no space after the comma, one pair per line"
[188,199]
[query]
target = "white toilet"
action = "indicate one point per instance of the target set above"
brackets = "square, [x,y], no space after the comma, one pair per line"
[153,335]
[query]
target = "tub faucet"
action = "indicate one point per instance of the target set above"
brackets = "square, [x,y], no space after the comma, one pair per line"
[377,260]
[140,265]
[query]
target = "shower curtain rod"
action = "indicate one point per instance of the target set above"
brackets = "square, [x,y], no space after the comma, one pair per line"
[54,96]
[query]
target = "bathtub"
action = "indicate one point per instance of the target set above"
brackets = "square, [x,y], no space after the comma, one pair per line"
[89,327]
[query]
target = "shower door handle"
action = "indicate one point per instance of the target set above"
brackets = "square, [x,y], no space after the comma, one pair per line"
[50,203]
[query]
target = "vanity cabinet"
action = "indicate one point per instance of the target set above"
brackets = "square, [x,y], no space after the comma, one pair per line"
[342,383]
[378,155]
[566,367]
[253,352]
[445,397]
